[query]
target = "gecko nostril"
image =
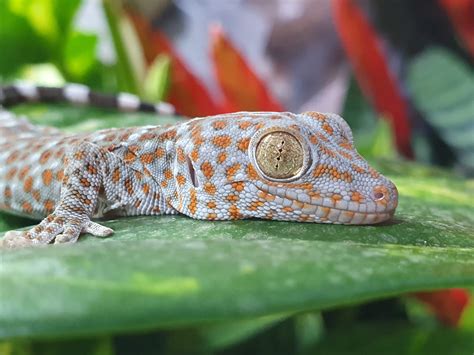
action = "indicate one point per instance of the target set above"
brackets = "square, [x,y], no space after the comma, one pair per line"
[379,196]
[379,193]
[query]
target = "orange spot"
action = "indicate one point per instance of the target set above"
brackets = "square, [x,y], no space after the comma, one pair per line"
[129,186]
[11,173]
[238,186]
[47,177]
[251,173]
[8,192]
[211,205]
[234,212]
[36,195]
[147,158]
[180,179]
[232,198]
[195,154]
[316,115]
[243,144]
[222,141]
[49,206]
[45,156]
[147,136]
[91,169]
[357,197]
[193,202]
[116,175]
[211,216]
[60,175]
[232,170]
[23,172]
[210,188]
[207,170]
[287,209]
[244,125]
[168,174]
[221,157]
[327,127]
[159,152]
[336,197]
[146,189]
[180,155]
[28,185]
[12,157]
[313,139]
[26,207]
[219,125]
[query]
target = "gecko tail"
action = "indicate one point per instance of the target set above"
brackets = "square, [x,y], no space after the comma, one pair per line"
[78,94]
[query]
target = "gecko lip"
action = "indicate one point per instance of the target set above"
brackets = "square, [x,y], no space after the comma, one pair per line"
[325,210]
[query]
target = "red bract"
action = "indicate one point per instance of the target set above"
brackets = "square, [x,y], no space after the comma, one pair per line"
[242,88]
[461,13]
[448,305]
[186,92]
[363,50]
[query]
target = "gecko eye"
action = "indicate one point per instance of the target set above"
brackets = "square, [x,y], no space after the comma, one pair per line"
[280,156]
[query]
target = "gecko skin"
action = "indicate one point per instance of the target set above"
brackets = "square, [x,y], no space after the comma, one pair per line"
[269,165]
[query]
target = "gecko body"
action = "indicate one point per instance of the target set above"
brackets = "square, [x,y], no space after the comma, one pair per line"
[268,165]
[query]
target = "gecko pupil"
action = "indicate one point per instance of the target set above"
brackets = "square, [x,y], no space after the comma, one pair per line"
[279,155]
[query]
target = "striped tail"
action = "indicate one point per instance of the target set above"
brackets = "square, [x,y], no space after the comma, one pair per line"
[78,94]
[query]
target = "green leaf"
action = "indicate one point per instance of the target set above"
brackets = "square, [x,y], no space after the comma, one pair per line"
[19,42]
[79,55]
[395,339]
[173,271]
[157,79]
[442,87]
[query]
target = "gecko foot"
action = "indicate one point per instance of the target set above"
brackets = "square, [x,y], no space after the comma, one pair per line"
[57,228]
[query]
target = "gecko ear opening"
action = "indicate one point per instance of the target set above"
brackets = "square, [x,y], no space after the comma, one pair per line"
[192,172]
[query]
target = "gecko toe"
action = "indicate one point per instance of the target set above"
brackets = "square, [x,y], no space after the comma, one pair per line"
[97,230]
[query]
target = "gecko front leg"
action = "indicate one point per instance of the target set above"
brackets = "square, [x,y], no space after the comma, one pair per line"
[88,169]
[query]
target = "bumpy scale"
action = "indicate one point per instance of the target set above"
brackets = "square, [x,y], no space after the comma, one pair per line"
[270,165]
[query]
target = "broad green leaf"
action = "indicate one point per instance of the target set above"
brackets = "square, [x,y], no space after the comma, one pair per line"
[442,87]
[79,55]
[19,42]
[173,271]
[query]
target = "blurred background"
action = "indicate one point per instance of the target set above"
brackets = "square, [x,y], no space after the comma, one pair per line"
[400,72]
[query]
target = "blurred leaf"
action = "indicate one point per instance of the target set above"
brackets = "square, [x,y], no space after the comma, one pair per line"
[382,142]
[448,305]
[461,14]
[157,79]
[97,346]
[124,40]
[42,74]
[18,41]
[442,88]
[242,88]
[395,339]
[79,55]
[362,46]
[186,92]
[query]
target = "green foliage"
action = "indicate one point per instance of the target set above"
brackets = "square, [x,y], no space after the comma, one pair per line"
[442,87]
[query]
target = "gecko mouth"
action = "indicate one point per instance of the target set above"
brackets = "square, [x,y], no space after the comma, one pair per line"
[323,209]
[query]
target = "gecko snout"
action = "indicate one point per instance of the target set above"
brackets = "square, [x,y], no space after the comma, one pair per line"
[386,194]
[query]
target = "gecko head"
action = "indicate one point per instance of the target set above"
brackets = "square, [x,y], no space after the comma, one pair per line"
[284,166]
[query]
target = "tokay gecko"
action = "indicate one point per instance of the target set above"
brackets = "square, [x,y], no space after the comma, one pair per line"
[268,165]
